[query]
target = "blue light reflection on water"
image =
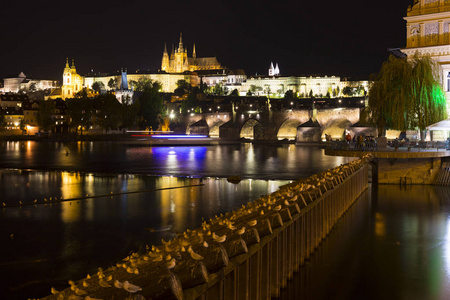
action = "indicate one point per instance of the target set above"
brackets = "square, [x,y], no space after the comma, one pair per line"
[257,161]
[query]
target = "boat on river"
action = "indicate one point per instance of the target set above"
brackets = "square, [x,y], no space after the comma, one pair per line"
[175,139]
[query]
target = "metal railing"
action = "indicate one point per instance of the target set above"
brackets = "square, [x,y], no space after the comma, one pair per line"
[249,253]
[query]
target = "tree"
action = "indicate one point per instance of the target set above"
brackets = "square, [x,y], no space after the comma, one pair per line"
[290,95]
[347,91]
[151,105]
[182,87]
[45,114]
[249,93]
[218,89]
[311,95]
[112,83]
[33,87]
[108,111]
[234,93]
[406,94]
[191,104]
[98,86]
[130,111]
[80,111]
[334,93]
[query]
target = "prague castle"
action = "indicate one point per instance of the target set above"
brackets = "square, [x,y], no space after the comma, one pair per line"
[179,62]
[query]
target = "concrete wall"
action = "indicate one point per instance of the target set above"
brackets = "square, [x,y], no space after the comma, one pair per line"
[407,170]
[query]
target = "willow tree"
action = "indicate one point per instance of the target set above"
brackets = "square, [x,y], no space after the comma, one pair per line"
[406,94]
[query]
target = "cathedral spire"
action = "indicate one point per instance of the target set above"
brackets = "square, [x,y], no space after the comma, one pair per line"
[194,55]
[67,62]
[165,48]
[180,45]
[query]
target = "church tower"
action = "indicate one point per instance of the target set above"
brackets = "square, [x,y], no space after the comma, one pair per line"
[165,60]
[66,73]
[180,57]
[72,82]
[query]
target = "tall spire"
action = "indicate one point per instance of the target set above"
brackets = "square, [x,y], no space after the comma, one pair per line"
[73,64]
[180,45]
[165,48]
[194,55]
[67,62]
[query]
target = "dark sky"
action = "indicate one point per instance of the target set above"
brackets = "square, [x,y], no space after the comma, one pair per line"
[345,38]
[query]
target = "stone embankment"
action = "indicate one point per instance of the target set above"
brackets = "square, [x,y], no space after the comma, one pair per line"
[249,253]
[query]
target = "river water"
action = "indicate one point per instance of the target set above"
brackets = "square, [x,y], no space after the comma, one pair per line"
[46,245]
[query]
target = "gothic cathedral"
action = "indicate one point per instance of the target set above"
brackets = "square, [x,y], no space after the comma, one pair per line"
[179,62]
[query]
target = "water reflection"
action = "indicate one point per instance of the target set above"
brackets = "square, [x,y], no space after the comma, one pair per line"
[392,244]
[55,242]
[257,161]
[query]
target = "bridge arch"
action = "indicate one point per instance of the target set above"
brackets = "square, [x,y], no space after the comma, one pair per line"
[248,129]
[188,127]
[288,130]
[214,129]
[336,128]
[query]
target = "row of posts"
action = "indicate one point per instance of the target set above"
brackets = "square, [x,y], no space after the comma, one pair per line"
[249,253]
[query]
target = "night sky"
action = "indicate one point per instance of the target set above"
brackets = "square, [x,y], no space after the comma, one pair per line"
[344,38]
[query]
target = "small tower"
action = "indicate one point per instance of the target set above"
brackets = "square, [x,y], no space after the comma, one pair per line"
[165,60]
[172,54]
[271,69]
[180,44]
[66,73]
[194,55]
[276,71]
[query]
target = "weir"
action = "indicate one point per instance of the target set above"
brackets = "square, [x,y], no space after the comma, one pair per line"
[249,253]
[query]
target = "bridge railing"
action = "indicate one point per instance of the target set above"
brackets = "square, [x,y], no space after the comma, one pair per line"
[249,253]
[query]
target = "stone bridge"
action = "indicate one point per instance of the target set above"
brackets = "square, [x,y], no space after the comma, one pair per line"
[301,125]
[271,121]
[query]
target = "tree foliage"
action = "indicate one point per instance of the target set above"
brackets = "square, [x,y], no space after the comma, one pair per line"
[191,104]
[108,112]
[406,94]
[80,112]
[151,104]
[182,87]
[347,91]
[130,112]
[98,86]
[45,114]
[143,83]
[112,83]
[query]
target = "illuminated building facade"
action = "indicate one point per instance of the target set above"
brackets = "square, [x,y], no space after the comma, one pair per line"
[15,84]
[72,81]
[277,86]
[427,32]
[179,62]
